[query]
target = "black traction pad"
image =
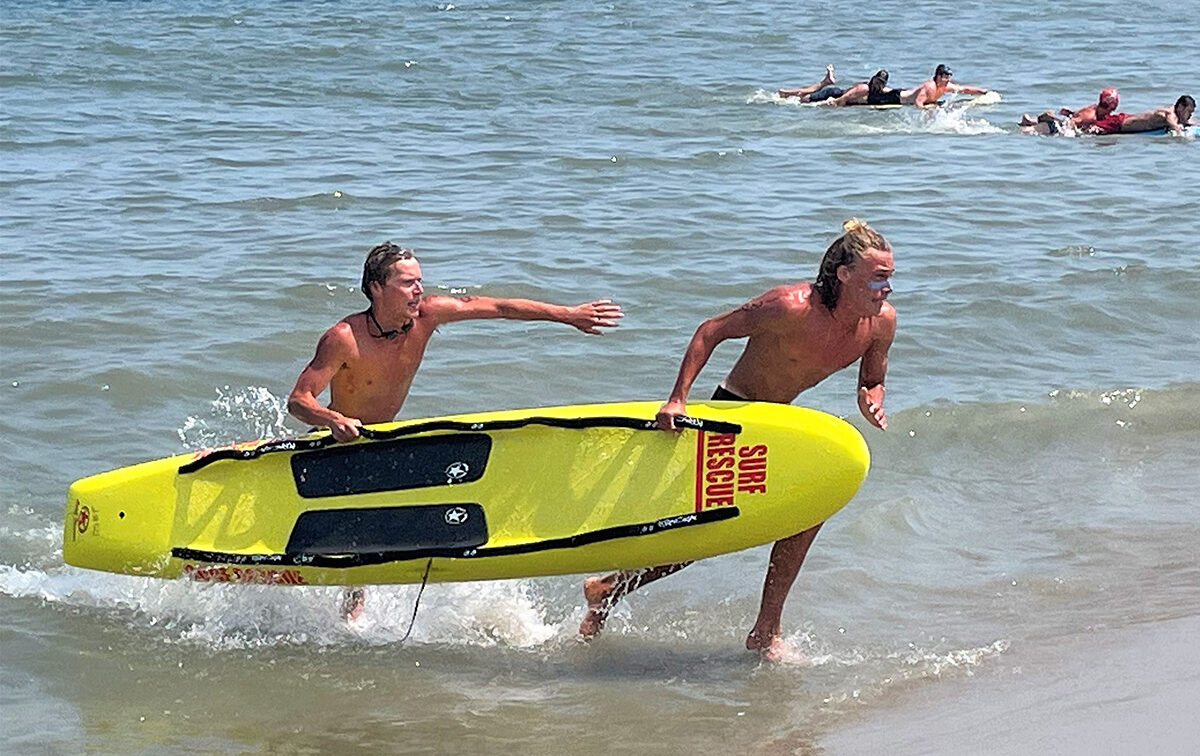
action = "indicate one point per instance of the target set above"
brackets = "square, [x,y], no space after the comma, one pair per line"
[383,529]
[391,465]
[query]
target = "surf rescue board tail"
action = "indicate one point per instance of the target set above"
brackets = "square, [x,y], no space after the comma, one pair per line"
[518,493]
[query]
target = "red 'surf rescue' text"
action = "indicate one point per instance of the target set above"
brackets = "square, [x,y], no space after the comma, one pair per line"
[725,469]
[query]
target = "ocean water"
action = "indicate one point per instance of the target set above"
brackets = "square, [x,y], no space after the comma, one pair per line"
[187,191]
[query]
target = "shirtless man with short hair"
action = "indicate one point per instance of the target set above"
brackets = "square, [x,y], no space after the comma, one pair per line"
[799,334]
[1169,118]
[931,91]
[368,359]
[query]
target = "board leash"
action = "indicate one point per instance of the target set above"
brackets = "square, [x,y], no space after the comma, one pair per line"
[417,604]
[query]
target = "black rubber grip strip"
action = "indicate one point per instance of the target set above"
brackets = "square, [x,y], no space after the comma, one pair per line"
[295,444]
[383,557]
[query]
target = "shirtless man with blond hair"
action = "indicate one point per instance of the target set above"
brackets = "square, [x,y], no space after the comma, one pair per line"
[799,334]
[931,91]
[368,359]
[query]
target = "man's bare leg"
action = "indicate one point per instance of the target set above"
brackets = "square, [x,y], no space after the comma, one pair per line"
[601,593]
[786,557]
[1046,124]
[805,91]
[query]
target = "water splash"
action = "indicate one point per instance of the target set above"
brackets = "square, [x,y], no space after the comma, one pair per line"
[760,96]
[952,120]
[496,613]
[252,412]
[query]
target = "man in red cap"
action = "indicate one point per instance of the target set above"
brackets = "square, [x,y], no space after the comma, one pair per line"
[1089,114]
[1076,120]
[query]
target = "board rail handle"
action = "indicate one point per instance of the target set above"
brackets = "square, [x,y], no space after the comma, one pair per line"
[297,444]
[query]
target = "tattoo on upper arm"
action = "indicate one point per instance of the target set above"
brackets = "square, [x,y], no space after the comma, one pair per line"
[753,304]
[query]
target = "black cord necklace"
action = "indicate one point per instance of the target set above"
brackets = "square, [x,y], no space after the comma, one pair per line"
[386,334]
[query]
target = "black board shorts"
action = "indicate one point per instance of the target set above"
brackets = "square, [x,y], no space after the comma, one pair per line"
[723,394]
[890,97]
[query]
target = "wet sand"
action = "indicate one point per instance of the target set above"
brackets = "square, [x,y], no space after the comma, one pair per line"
[1130,690]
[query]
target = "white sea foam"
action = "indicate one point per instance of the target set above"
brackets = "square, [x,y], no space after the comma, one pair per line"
[499,613]
[953,121]
[760,96]
[236,415]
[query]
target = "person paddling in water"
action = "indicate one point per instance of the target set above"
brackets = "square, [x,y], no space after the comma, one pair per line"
[879,93]
[1172,119]
[1069,122]
[930,92]
[368,359]
[822,90]
[874,91]
[798,335]
[1106,103]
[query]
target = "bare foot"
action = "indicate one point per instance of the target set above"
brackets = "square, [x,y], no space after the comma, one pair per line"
[596,591]
[353,600]
[829,77]
[769,644]
[1026,120]
[777,650]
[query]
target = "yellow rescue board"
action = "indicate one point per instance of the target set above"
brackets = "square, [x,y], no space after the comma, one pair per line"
[517,493]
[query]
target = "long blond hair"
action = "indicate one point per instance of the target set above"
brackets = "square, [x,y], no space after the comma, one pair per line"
[847,249]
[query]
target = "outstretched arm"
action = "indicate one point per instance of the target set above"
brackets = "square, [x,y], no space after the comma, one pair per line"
[1173,124]
[333,350]
[967,89]
[851,96]
[872,369]
[737,324]
[588,317]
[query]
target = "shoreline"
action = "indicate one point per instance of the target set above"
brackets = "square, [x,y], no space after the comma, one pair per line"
[1122,690]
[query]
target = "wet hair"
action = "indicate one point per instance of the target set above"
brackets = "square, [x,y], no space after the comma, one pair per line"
[942,70]
[847,249]
[1185,101]
[378,264]
[878,82]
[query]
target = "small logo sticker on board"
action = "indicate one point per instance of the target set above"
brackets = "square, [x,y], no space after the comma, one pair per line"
[456,515]
[457,470]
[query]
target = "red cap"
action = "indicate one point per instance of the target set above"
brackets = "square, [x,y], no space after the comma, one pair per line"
[1109,98]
